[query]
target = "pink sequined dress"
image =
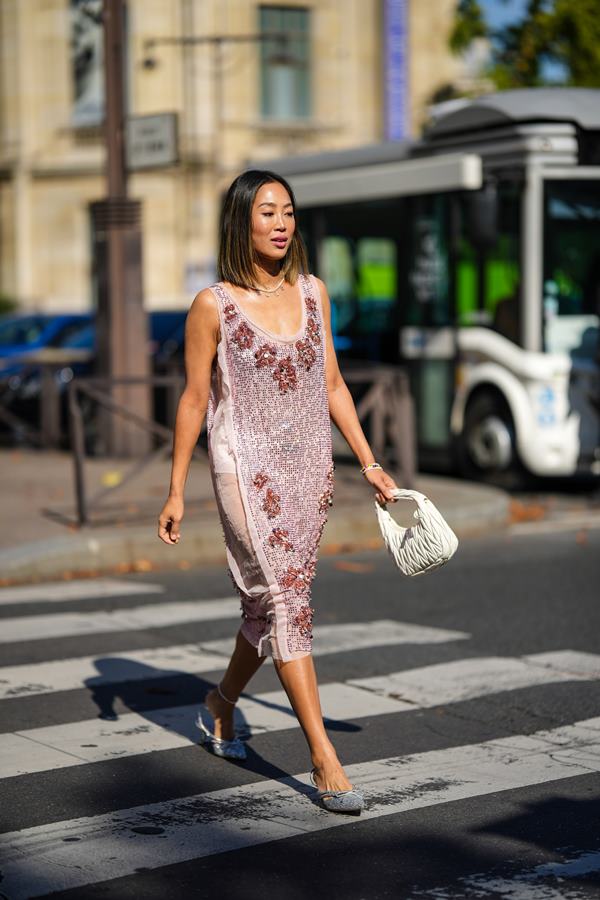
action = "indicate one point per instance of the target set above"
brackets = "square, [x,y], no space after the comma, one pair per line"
[269,439]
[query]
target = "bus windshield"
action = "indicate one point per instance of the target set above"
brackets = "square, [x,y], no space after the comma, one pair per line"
[572,267]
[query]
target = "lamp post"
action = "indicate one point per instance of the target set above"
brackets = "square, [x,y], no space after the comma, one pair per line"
[116,221]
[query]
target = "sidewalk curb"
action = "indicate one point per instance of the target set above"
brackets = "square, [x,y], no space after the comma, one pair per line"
[351,527]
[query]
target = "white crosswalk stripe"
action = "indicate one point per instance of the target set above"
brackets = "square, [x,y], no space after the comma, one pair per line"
[41,749]
[61,591]
[138,665]
[464,679]
[158,615]
[64,746]
[527,884]
[84,851]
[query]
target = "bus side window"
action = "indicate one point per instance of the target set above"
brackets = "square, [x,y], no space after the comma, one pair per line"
[377,287]
[337,271]
[428,269]
[488,277]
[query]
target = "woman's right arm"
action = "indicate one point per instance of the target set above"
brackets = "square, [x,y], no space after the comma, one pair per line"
[201,339]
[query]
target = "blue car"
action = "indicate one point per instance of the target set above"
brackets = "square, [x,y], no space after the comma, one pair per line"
[21,334]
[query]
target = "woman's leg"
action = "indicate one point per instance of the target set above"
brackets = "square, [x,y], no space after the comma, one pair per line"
[243,664]
[245,660]
[299,681]
[297,676]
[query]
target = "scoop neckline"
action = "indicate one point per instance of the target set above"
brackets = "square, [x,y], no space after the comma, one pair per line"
[271,334]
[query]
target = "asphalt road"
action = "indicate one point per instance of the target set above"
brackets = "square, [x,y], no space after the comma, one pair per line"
[466,705]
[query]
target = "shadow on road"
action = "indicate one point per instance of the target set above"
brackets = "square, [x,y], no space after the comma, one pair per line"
[170,699]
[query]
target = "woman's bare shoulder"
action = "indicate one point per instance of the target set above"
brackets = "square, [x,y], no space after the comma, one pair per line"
[203,315]
[204,300]
[204,307]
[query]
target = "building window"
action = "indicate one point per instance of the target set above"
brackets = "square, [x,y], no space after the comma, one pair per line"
[285,65]
[87,62]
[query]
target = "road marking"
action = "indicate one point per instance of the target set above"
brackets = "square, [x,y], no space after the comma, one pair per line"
[363,635]
[464,679]
[159,615]
[571,662]
[96,740]
[528,884]
[133,734]
[159,662]
[78,852]
[57,592]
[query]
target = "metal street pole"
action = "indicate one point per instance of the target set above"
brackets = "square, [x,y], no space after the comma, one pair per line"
[122,328]
[114,52]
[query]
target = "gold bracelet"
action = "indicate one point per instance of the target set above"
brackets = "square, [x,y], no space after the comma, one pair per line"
[373,465]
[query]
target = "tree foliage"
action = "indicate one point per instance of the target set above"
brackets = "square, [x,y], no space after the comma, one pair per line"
[574,40]
[553,37]
[468,25]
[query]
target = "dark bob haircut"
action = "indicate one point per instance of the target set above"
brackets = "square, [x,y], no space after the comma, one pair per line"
[236,258]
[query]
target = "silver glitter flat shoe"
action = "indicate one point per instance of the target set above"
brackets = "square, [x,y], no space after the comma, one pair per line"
[351,802]
[233,749]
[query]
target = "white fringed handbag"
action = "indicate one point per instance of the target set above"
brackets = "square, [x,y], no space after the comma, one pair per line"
[423,547]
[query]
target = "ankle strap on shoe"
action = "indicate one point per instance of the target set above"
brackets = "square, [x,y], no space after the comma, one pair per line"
[223,697]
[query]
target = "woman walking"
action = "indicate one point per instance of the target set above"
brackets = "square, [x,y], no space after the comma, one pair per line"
[260,365]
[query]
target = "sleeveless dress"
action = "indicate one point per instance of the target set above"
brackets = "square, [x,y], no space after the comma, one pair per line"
[269,444]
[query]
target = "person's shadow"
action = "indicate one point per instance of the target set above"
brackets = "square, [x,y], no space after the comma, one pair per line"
[171,699]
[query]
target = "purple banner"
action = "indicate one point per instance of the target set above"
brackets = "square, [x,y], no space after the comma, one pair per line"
[397,104]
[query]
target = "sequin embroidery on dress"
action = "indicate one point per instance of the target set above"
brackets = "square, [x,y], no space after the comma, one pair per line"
[279,431]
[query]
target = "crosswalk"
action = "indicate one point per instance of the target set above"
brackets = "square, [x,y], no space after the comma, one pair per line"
[91,849]
[255,807]
[64,591]
[159,615]
[42,749]
[141,665]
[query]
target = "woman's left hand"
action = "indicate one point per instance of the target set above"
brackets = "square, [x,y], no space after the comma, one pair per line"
[383,484]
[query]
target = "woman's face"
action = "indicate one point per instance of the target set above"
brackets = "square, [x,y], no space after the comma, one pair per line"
[273,222]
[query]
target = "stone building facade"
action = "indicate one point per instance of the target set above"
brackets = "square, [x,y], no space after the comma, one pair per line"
[323,87]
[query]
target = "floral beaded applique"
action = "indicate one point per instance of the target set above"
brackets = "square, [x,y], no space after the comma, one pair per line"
[280,537]
[306,354]
[311,569]
[266,355]
[326,497]
[295,579]
[312,329]
[259,480]
[243,336]
[283,369]
[285,373]
[303,620]
[230,312]
[271,504]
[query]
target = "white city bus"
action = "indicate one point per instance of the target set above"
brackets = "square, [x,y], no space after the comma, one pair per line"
[473,258]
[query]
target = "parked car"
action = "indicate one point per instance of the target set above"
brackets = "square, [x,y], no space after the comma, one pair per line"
[21,334]
[20,383]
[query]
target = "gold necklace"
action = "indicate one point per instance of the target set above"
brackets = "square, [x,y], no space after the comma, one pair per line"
[273,290]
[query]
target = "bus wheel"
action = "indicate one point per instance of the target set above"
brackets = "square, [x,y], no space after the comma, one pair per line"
[487,444]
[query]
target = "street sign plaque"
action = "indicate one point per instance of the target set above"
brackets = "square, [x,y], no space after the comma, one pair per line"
[152,141]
